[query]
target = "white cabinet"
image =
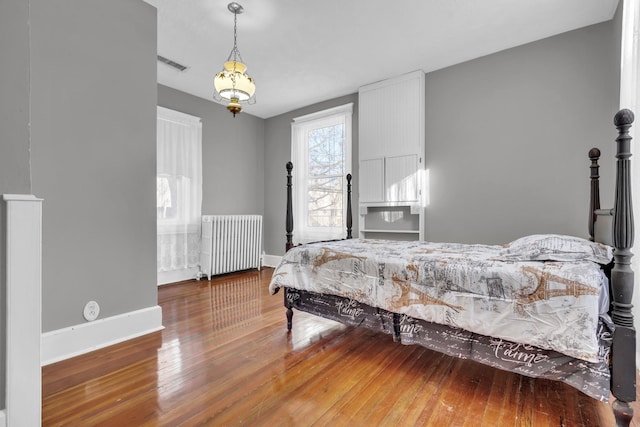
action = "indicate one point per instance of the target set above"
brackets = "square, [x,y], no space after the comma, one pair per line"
[401,178]
[391,155]
[390,179]
[391,117]
[371,180]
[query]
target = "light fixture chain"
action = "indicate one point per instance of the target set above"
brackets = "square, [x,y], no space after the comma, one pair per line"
[235,35]
[235,52]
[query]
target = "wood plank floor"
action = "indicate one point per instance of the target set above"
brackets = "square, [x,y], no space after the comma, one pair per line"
[225,358]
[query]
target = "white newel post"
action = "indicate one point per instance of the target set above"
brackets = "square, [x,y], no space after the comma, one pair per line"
[23,307]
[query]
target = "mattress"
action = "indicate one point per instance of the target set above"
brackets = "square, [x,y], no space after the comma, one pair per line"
[546,291]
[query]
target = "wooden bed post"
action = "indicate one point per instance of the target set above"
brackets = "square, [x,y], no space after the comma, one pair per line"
[623,352]
[594,201]
[289,245]
[349,214]
[289,225]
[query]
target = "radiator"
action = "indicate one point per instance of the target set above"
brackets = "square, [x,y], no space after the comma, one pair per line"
[230,243]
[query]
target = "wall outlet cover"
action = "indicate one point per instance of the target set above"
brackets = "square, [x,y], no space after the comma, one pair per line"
[91,311]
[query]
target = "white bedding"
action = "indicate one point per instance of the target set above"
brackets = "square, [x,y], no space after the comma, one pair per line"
[490,290]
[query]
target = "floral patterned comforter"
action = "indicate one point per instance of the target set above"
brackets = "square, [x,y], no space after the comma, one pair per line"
[497,291]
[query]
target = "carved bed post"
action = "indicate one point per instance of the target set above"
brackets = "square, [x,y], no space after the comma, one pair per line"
[623,352]
[289,225]
[594,201]
[349,214]
[289,245]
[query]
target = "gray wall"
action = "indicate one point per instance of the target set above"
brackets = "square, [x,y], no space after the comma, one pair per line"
[232,154]
[14,97]
[507,137]
[93,126]
[277,137]
[14,132]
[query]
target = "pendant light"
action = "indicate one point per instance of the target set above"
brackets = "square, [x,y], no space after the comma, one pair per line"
[233,84]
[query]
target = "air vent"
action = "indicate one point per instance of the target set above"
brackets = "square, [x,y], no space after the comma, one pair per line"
[171,63]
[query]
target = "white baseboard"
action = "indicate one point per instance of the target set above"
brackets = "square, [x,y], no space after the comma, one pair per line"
[65,343]
[3,418]
[271,260]
[173,276]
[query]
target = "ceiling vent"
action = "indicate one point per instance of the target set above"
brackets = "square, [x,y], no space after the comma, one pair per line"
[171,63]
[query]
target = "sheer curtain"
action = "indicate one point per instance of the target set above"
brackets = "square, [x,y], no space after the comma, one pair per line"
[179,195]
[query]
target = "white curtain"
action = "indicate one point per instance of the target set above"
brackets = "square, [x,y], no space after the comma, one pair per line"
[179,195]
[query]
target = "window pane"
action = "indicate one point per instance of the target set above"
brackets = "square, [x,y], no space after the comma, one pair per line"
[325,202]
[167,197]
[173,196]
[326,150]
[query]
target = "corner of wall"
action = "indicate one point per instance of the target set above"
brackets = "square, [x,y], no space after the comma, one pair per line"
[3,297]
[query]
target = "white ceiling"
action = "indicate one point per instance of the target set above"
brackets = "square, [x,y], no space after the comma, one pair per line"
[300,52]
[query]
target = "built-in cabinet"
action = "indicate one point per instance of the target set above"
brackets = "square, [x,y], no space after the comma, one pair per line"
[390,179]
[391,158]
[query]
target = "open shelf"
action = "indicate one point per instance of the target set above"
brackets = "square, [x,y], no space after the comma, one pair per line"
[390,222]
[391,231]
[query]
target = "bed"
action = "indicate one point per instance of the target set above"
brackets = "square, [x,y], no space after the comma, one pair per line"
[545,306]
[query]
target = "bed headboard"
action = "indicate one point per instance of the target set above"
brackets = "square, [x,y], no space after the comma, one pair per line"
[289,218]
[600,220]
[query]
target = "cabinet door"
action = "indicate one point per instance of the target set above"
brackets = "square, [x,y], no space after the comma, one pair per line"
[401,178]
[372,180]
[391,117]
[372,117]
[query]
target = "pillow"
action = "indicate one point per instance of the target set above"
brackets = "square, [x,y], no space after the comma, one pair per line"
[556,247]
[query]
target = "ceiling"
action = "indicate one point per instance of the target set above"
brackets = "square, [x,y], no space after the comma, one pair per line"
[300,52]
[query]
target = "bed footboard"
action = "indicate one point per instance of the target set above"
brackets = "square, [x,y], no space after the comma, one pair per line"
[623,352]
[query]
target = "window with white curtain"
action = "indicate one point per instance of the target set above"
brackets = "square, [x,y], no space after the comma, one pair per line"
[178,195]
[321,156]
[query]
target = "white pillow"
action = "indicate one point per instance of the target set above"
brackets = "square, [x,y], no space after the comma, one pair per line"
[556,247]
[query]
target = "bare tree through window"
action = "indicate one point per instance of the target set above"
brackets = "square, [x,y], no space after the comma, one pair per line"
[325,178]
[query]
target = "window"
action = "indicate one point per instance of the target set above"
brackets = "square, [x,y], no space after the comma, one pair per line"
[321,156]
[178,195]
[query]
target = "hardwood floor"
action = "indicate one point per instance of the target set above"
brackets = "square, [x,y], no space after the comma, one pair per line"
[225,358]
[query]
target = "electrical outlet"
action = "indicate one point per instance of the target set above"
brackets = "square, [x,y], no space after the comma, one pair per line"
[91,311]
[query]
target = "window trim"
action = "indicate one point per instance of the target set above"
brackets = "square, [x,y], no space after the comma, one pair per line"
[299,127]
